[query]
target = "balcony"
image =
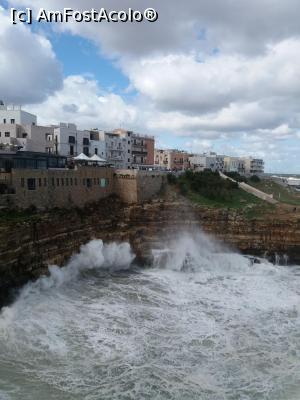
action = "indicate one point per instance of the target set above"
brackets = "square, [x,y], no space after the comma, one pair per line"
[142,153]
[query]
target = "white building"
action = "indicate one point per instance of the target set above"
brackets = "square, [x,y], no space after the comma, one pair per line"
[122,148]
[212,161]
[254,166]
[70,142]
[15,115]
[293,183]
[97,143]
[26,137]
[19,131]
[118,148]
[234,164]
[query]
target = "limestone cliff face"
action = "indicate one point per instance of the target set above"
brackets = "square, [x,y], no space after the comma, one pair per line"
[26,248]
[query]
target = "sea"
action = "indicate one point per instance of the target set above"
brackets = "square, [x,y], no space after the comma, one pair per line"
[203,322]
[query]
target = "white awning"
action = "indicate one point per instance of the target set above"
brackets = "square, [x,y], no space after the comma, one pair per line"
[82,157]
[96,158]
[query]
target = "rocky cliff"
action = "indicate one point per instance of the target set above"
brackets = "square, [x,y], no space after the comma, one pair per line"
[28,246]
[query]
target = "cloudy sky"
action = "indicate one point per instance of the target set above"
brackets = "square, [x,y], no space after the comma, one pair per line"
[221,75]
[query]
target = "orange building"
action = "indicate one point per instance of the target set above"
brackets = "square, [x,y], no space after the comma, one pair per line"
[142,148]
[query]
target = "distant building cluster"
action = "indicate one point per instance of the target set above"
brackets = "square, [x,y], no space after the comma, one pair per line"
[58,165]
[175,160]
[120,148]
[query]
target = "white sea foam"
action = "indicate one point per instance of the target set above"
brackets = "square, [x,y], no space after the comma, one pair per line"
[204,323]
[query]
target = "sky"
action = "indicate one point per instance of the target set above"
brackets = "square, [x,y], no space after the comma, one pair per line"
[208,75]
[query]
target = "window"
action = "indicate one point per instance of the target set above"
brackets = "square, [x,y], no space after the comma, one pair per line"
[86,151]
[129,151]
[67,181]
[4,120]
[72,139]
[31,184]
[7,134]
[71,150]
[103,182]
[86,142]
[45,181]
[40,182]
[71,181]
[62,181]
[57,181]
[128,159]
[12,121]
[0,134]
[96,150]
[89,182]
[24,135]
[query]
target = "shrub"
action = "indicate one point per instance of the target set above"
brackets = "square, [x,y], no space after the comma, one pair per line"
[236,176]
[172,180]
[208,184]
[183,187]
[255,179]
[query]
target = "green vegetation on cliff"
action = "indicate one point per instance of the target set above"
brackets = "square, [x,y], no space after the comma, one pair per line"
[208,189]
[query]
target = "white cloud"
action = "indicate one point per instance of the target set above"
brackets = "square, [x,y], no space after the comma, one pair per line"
[211,71]
[232,26]
[29,70]
[199,146]
[185,83]
[82,102]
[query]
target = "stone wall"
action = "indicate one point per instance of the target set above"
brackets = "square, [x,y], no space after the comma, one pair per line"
[149,183]
[45,189]
[61,188]
[133,186]
[258,193]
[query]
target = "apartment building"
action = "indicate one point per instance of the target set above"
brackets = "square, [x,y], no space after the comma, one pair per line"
[172,160]
[142,147]
[254,166]
[117,148]
[70,142]
[212,161]
[126,149]
[15,115]
[97,144]
[234,164]
[25,137]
